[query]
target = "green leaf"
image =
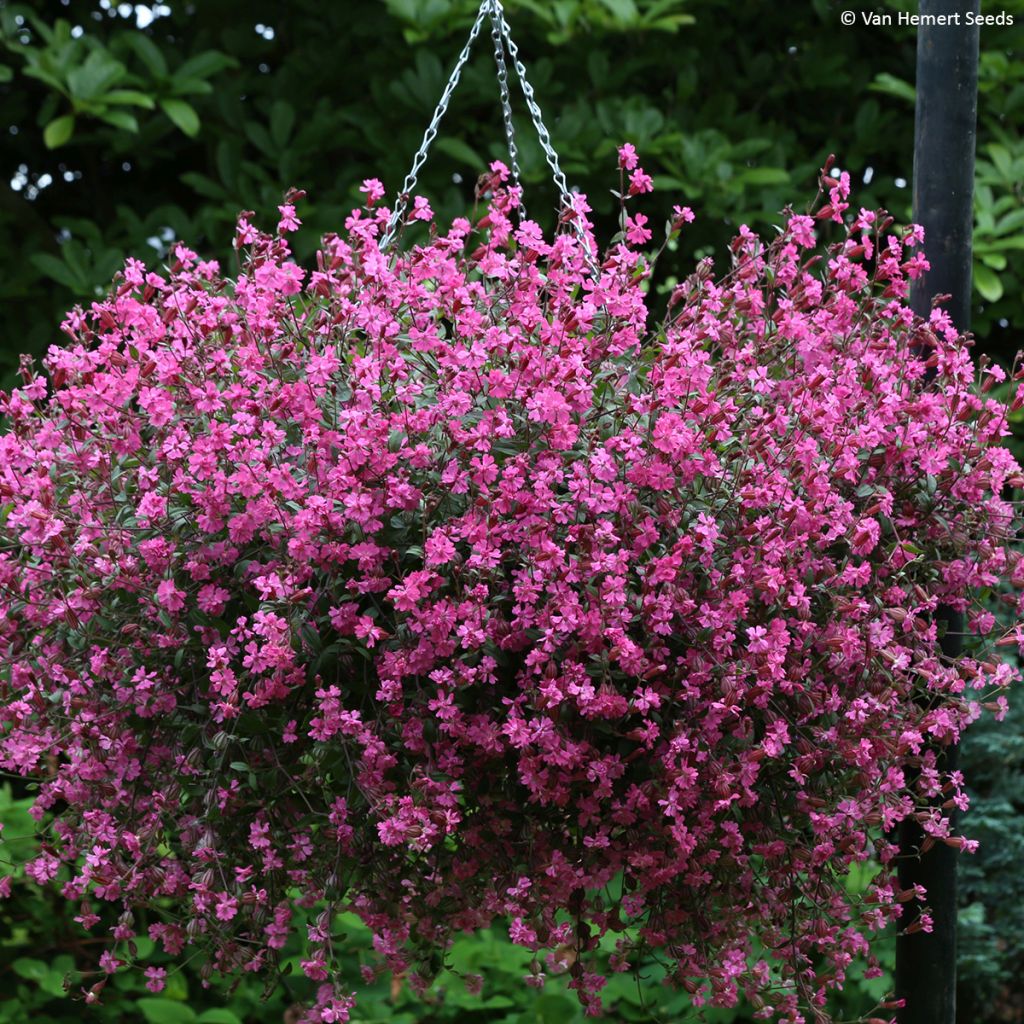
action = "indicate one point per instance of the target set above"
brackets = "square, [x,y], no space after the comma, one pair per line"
[182,114]
[44,75]
[149,53]
[282,121]
[53,983]
[192,87]
[218,1016]
[893,86]
[1010,222]
[554,1008]
[995,260]
[497,1002]
[57,270]
[623,11]
[461,151]
[203,185]
[1013,242]
[30,969]
[166,1011]
[120,119]
[93,78]
[6,73]
[763,176]
[204,65]
[987,281]
[1001,158]
[58,131]
[130,97]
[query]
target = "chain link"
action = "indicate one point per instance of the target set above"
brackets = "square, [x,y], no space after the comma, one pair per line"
[503,41]
[533,106]
[506,102]
[431,133]
[543,136]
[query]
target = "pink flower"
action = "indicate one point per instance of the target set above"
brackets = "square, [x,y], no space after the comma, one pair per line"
[801,227]
[288,221]
[315,969]
[156,979]
[212,599]
[865,536]
[479,549]
[169,596]
[152,506]
[421,209]
[681,215]
[109,963]
[639,182]
[636,233]
[439,549]
[227,907]
[374,190]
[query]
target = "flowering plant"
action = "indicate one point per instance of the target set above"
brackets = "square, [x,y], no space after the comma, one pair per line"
[439,586]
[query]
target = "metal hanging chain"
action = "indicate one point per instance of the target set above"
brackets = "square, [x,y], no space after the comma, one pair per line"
[506,103]
[431,133]
[536,116]
[565,193]
[502,36]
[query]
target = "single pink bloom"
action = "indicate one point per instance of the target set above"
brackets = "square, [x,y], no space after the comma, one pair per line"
[170,597]
[374,190]
[636,233]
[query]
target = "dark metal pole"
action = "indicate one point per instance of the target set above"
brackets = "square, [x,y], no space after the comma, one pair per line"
[944,136]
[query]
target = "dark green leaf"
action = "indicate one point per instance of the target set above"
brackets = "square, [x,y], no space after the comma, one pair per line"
[204,65]
[988,283]
[149,53]
[182,114]
[282,120]
[166,1011]
[93,78]
[893,86]
[120,119]
[58,131]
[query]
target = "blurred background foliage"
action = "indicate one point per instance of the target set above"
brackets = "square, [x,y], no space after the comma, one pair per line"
[127,126]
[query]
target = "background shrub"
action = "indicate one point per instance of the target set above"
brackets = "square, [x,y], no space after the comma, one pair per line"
[119,139]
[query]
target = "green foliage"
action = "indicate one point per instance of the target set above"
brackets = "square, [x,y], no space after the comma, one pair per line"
[84,74]
[991,939]
[120,140]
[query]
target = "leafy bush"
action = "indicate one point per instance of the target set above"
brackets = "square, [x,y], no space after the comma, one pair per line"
[991,950]
[733,105]
[438,587]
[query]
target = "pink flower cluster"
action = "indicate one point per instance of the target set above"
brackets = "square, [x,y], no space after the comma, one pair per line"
[440,586]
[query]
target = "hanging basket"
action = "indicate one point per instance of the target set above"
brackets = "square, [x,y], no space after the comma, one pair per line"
[438,586]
